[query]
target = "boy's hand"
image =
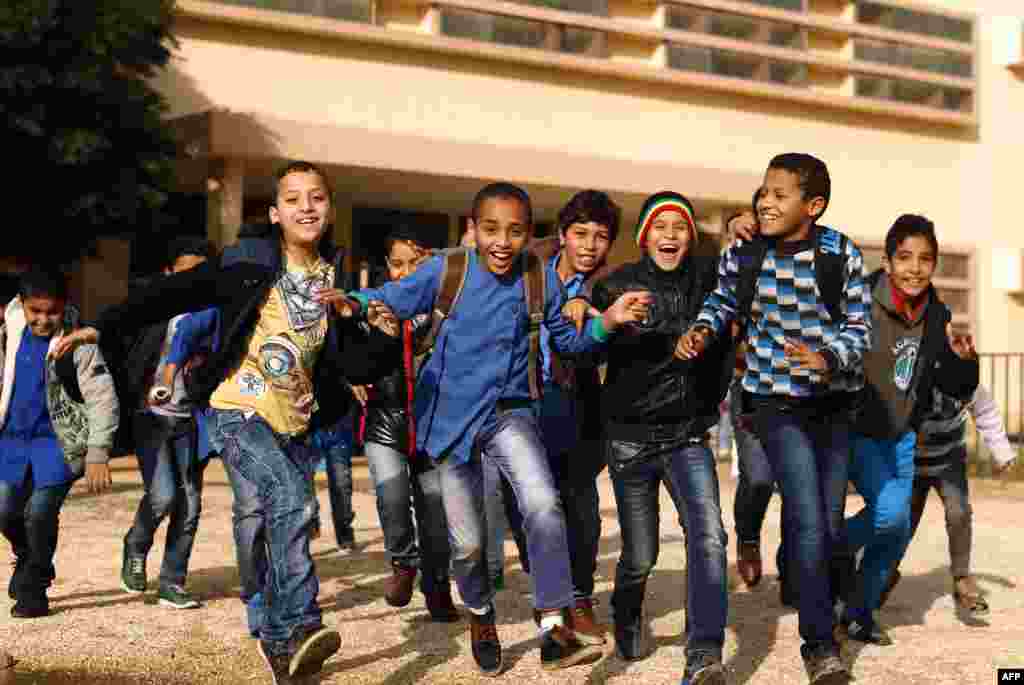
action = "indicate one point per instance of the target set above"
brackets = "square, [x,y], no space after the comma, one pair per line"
[743,227]
[692,344]
[576,310]
[631,307]
[345,306]
[962,345]
[97,477]
[802,356]
[361,394]
[83,336]
[380,316]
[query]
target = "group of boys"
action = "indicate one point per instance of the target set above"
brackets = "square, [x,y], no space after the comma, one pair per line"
[835,363]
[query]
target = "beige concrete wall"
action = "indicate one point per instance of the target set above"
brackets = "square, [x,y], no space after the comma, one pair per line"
[881,167]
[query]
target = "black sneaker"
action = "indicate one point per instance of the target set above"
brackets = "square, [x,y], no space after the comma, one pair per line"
[824,667]
[629,636]
[31,607]
[868,632]
[703,668]
[19,568]
[133,574]
[310,648]
[175,597]
[278,665]
[560,648]
[483,636]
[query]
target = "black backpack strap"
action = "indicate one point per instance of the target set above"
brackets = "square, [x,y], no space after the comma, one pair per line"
[68,375]
[830,270]
[750,257]
[533,287]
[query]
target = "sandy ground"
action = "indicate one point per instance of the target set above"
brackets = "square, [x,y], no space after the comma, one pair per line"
[98,634]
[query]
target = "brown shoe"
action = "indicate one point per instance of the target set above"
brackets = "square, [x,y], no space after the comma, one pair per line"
[969,597]
[441,607]
[486,647]
[748,563]
[398,588]
[584,624]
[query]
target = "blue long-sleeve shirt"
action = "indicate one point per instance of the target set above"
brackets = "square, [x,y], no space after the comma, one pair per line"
[481,354]
[195,332]
[787,304]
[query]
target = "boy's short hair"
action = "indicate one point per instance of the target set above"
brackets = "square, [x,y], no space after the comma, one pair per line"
[43,282]
[402,233]
[906,226]
[301,166]
[186,245]
[504,190]
[590,206]
[812,172]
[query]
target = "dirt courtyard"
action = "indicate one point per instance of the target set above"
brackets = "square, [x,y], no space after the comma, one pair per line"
[98,634]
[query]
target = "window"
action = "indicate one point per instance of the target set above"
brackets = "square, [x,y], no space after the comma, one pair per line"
[914,93]
[926,59]
[348,10]
[736,65]
[520,32]
[597,7]
[736,27]
[912,21]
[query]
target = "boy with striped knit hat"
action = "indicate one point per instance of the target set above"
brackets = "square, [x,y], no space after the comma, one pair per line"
[804,364]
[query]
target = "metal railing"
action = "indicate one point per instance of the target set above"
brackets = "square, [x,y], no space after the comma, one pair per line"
[1003,374]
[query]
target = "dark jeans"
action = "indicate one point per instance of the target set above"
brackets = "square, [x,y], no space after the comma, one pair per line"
[281,469]
[173,477]
[338,459]
[400,480]
[754,489]
[809,453]
[688,471]
[250,545]
[30,520]
[951,484]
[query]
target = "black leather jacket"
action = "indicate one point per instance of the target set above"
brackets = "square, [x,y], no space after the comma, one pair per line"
[387,418]
[650,395]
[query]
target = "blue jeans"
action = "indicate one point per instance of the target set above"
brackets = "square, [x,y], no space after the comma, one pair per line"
[514,446]
[883,471]
[337,442]
[688,471]
[399,480]
[808,450]
[250,545]
[30,520]
[173,477]
[281,470]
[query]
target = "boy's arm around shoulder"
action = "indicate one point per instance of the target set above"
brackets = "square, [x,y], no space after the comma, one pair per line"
[102,407]
[954,375]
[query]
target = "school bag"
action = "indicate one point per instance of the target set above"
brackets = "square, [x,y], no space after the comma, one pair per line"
[453,278]
[829,272]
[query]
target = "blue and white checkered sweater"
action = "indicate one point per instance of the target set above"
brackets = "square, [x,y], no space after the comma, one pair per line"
[787,304]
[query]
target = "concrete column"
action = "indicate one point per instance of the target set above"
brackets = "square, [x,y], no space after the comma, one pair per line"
[454,230]
[343,230]
[225,186]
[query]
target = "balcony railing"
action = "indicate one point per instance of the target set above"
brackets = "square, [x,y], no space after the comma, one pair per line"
[866,55]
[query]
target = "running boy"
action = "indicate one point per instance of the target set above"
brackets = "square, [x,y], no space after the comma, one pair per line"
[804,364]
[474,401]
[58,421]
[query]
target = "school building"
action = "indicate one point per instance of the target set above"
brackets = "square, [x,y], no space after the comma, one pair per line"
[411,105]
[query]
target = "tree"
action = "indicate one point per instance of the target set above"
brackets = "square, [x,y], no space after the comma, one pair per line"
[85,149]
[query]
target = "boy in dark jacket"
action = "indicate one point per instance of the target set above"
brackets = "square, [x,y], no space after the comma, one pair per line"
[914,352]
[657,410]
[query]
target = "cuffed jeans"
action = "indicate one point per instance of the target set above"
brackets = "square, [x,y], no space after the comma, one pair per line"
[809,455]
[30,520]
[338,461]
[951,484]
[883,471]
[688,471]
[173,478]
[250,545]
[398,480]
[514,445]
[281,470]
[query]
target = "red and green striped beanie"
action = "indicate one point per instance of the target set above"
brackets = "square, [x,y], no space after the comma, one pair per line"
[665,201]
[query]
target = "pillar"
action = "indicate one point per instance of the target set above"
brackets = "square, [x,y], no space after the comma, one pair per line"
[225,188]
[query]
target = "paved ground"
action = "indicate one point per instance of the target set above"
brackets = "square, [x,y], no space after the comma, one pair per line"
[100,635]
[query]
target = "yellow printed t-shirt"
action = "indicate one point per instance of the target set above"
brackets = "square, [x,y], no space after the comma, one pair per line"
[275,379]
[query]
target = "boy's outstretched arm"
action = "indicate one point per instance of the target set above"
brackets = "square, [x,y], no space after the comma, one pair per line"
[718,311]
[630,307]
[102,412]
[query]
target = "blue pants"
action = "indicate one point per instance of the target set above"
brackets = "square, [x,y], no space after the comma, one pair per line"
[883,471]
[281,470]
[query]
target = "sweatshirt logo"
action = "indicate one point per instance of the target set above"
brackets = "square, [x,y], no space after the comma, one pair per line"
[905,351]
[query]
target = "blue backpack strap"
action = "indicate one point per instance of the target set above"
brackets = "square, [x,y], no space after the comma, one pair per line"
[830,270]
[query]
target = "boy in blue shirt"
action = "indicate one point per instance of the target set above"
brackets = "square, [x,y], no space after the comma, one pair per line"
[473,402]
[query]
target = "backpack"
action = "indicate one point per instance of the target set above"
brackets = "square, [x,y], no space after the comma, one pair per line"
[829,272]
[453,278]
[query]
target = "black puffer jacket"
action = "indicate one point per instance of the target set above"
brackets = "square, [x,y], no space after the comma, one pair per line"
[649,394]
[238,284]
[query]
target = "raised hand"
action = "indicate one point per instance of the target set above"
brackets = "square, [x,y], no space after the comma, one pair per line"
[577,310]
[68,343]
[962,345]
[631,307]
[344,305]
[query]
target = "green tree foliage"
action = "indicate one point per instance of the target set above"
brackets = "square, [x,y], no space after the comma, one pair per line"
[85,150]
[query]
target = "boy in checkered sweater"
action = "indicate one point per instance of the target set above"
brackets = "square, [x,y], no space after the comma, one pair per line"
[804,364]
